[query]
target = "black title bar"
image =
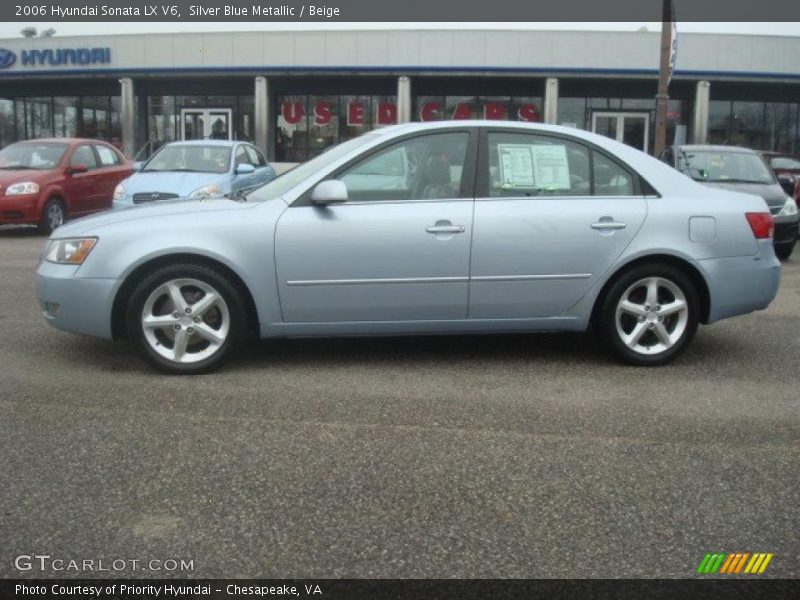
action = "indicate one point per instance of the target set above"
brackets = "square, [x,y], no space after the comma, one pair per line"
[263,11]
[389,589]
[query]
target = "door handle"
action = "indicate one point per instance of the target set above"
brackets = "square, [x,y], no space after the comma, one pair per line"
[609,225]
[445,229]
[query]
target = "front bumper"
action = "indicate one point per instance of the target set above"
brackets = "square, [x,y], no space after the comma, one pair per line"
[786,231]
[75,304]
[740,285]
[19,209]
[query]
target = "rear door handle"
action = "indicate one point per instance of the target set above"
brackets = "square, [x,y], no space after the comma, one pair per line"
[609,225]
[445,229]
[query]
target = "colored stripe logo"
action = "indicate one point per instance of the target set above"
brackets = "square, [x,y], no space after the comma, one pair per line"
[734,563]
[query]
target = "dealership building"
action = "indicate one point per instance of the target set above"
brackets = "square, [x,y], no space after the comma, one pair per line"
[296,93]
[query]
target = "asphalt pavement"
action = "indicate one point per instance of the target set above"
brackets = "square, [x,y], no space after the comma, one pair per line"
[465,456]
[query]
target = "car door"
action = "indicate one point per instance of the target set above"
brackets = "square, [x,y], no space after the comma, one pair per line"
[83,188]
[394,252]
[552,215]
[109,173]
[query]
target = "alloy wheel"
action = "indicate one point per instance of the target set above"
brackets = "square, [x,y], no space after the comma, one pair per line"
[652,315]
[185,320]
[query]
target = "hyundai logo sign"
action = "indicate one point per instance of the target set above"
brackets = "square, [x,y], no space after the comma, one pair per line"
[7,58]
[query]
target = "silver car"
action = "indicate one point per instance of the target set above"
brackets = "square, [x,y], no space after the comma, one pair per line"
[480,227]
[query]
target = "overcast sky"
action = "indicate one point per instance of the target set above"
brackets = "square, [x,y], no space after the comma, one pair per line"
[12,30]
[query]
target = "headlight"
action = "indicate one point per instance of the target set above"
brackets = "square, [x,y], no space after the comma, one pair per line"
[119,192]
[69,251]
[26,187]
[789,208]
[205,191]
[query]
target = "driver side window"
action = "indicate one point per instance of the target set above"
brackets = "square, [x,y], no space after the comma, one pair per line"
[419,168]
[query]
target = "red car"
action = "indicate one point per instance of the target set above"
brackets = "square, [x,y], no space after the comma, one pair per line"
[787,170]
[45,182]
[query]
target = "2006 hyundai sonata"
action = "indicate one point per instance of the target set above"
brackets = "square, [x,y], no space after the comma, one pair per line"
[454,227]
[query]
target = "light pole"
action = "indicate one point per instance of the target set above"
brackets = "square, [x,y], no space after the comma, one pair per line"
[662,95]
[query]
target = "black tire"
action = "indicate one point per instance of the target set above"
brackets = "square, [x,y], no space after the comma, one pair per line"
[49,222]
[784,251]
[230,294]
[606,324]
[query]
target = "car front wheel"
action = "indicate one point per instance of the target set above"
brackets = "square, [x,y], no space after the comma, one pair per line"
[649,315]
[186,318]
[53,216]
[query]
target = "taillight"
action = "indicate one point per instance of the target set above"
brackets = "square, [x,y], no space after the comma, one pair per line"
[762,224]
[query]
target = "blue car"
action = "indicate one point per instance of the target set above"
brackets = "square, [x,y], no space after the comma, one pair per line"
[196,169]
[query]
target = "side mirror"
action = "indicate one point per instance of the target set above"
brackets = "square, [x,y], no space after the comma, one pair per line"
[245,169]
[331,191]
[74,169]
[137,166]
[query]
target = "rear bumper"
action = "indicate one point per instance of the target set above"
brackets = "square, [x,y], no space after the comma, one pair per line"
[74,304]
[743,284]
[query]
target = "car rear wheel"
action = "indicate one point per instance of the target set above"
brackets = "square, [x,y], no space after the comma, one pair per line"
[186,318]
[53,216]
[649,315]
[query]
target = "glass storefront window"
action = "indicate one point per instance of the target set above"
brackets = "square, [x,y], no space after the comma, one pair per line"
[308,125]
[572,112]
[39,117]
[95,111]
[7,129]
[323,130]
[160,120]
[291,137]
[65,116]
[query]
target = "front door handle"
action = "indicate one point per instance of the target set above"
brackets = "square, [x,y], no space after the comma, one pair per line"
[609,225]
[445,229]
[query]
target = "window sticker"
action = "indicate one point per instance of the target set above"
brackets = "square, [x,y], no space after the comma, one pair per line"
[551,168]
[516,166]
[529,166]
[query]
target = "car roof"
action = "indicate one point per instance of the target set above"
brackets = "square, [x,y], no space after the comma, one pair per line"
[716,148]
[225,143]
[63,140]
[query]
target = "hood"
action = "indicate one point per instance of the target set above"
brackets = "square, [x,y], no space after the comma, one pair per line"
[772,193]
[172,182]
[161,209]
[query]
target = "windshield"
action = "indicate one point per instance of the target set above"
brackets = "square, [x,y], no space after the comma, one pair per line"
[724,166]
[286,181]
[194,158]
[40,156]
[785,162]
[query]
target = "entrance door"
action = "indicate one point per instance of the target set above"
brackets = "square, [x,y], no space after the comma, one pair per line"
[629,128]
[206,124]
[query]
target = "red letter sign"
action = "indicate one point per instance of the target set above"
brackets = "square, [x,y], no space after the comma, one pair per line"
[292,112]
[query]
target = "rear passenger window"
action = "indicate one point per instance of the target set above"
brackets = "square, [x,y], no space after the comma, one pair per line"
[83,156]
[610,179]
[108,158]
[521,164]
[527,165]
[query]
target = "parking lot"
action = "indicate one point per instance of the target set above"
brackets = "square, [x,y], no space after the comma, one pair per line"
[501,456]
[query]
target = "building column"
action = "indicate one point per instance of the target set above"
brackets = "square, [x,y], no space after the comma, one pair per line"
[702,100]
[128,116]
[262,116]
[551,101]
[403,100]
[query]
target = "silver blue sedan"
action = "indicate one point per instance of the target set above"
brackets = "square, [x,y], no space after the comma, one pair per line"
[453,227]
[196,169]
